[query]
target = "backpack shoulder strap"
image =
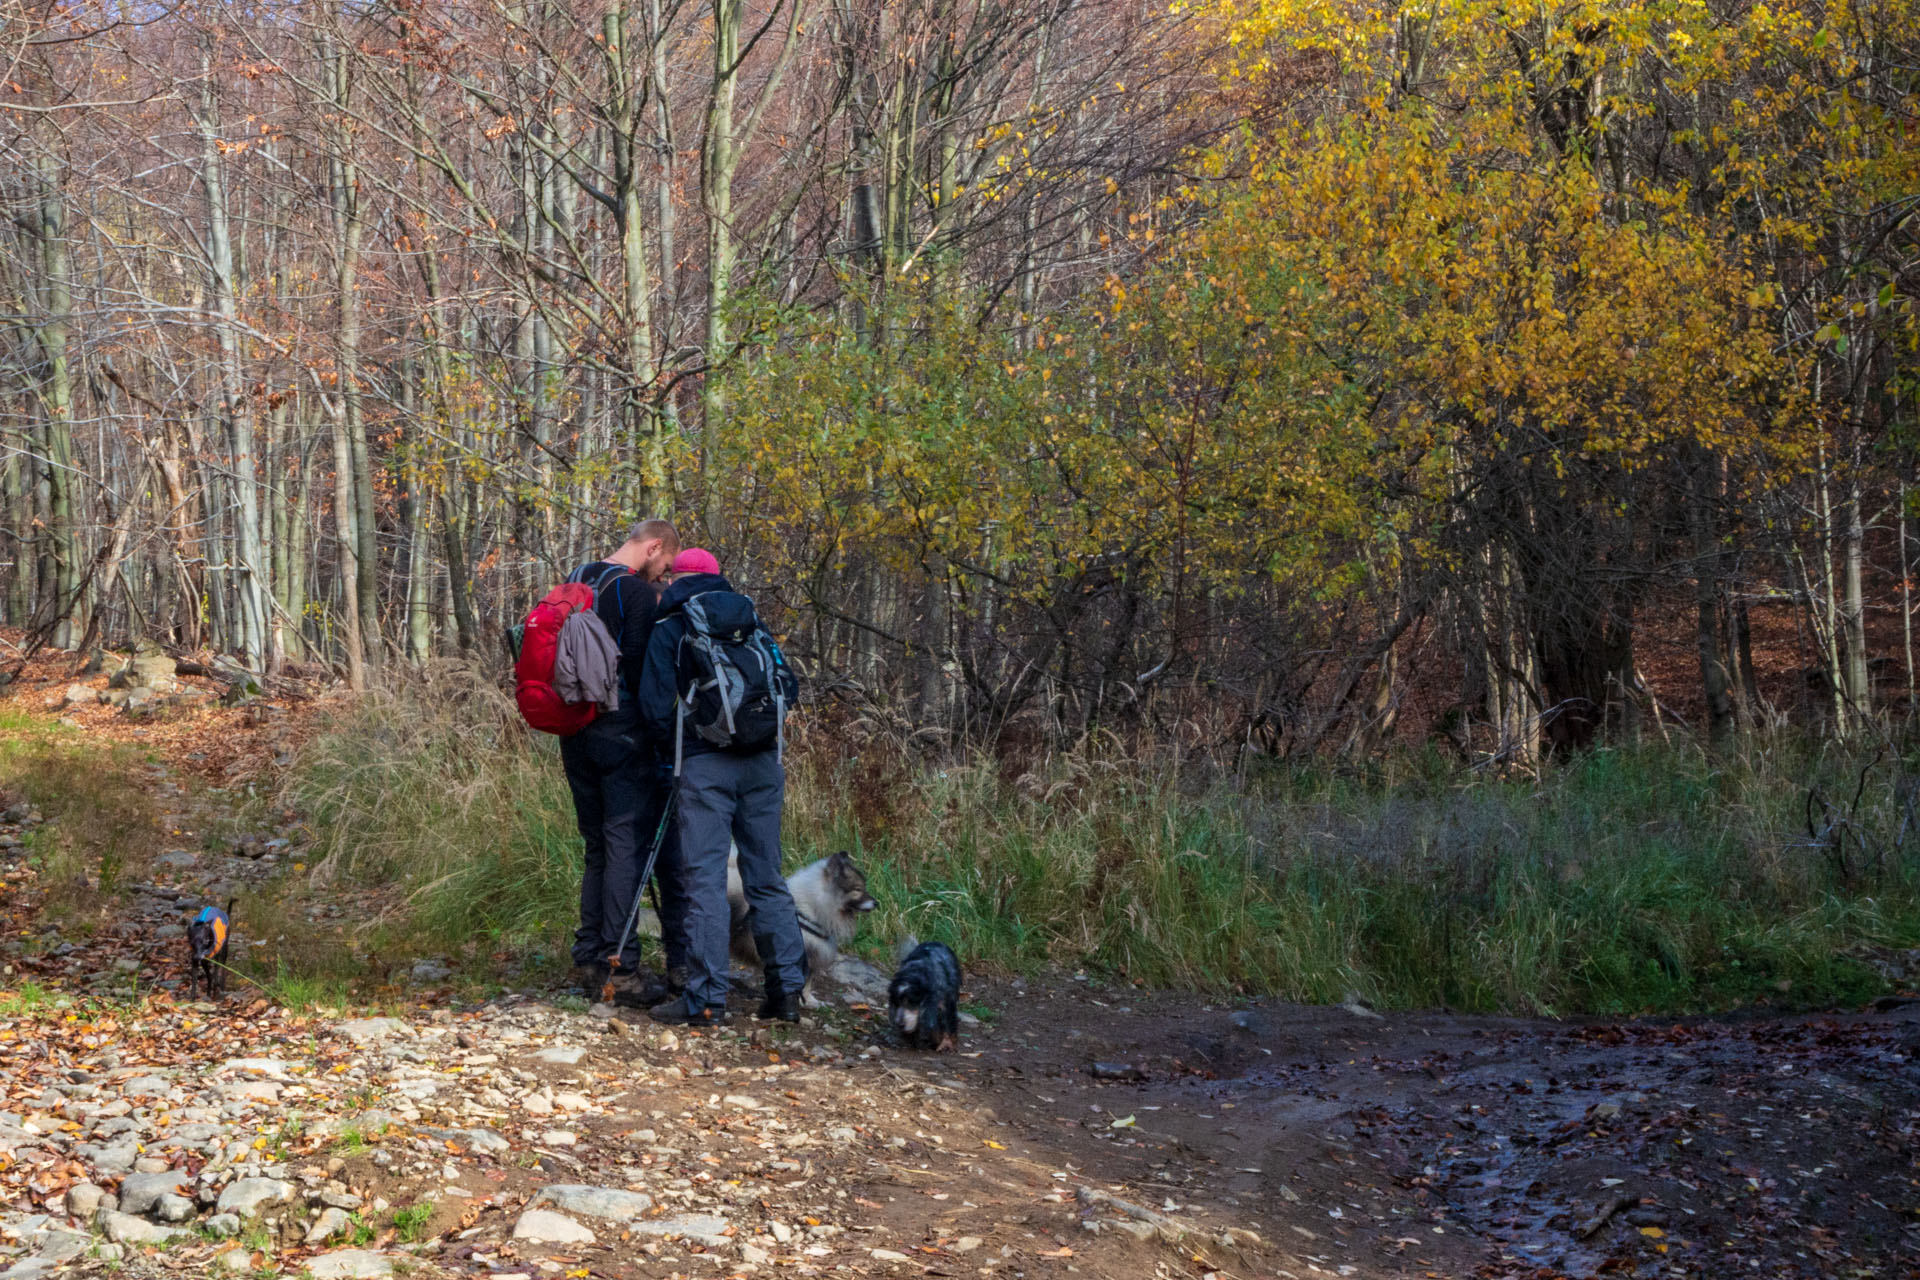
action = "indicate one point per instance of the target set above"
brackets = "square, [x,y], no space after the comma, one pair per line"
[612,573]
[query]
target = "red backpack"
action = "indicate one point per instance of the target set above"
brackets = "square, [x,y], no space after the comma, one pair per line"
[536,646]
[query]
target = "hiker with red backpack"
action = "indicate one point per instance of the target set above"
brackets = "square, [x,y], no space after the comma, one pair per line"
[714,695]
[581,681]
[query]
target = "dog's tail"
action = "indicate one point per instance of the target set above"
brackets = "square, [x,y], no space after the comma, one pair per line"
[905,949]
[230,902]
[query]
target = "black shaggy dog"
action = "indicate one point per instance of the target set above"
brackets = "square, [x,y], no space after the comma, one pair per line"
[924,1001]
[207,935]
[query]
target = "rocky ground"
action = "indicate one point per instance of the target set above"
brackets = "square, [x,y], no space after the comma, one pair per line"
[1082,1128]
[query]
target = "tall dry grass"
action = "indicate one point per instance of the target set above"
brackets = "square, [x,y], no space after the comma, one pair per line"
[1658,878]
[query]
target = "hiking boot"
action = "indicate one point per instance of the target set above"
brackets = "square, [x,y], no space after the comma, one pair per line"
[642,990]
[781,1006]
[674,1013]
[590,979]
[677,980]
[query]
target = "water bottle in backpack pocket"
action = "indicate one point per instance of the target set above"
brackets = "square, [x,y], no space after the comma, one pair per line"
[735,685]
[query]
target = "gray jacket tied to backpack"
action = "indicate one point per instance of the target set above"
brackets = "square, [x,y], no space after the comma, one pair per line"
[587,666]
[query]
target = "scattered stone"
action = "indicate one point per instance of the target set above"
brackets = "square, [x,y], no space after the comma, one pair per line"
[1115,1071]
[172,1208]
[561,1055]
[781,1232]
[485,1142]
[426,973]
[966,1244]
[595,1202]
[370,1030]
[124,1228]
[238,1258]
[140,1192]
[349,1264]
[331,1224]
[542,1226]
[223,1224]
[887,1255]
[251,1091]
[178,859]
[76,694]
[249,1197]
[701,1228]
[83,1200]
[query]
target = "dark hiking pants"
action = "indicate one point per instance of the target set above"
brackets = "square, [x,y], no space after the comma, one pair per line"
[604,771]
[735,800]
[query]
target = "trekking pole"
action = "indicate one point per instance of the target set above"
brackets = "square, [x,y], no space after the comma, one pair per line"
[639,896]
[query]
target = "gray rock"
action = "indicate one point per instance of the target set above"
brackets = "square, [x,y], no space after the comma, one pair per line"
[272,1068]
[75,695]
[177,858]
[863,983]
[250,1197]
[116,1159]
[542,1226]
[61,1246]
[223,1224]
[349,1264]
[83,1200]
[29,1269]
[173,1209]
[484,1142]
[140,1192]
[701,1228]
[330,1225]
[595,1202]
[146,1087]
[124,1228]
[427,972]
[370,1030]
[561,1055]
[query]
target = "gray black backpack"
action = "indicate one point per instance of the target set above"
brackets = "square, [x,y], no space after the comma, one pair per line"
[735,685]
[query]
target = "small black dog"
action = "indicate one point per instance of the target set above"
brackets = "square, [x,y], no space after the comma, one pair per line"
[207,949]
[924,1001]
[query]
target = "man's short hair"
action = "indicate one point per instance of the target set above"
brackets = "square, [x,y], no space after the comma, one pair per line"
[655,527]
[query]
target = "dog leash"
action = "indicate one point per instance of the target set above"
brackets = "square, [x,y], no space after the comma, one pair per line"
[640,890]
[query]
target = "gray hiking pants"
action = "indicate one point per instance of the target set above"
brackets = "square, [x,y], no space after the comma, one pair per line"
[727,799]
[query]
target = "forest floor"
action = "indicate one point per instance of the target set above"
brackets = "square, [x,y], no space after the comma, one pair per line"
[1082,1128]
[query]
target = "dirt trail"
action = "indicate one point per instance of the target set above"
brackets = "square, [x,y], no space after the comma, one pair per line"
[1082,1129]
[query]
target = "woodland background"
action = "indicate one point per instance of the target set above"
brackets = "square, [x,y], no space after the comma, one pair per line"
[1297,374]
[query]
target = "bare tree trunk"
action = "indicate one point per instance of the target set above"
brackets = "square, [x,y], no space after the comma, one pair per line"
[62,552]
[357,482]
[248,577]
[719,158]
[1714,682]
[343,531]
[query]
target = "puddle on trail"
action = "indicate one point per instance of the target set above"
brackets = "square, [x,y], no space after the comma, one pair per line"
[1777,1147]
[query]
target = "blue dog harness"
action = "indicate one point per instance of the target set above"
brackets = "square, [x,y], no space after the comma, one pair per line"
[217,918]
